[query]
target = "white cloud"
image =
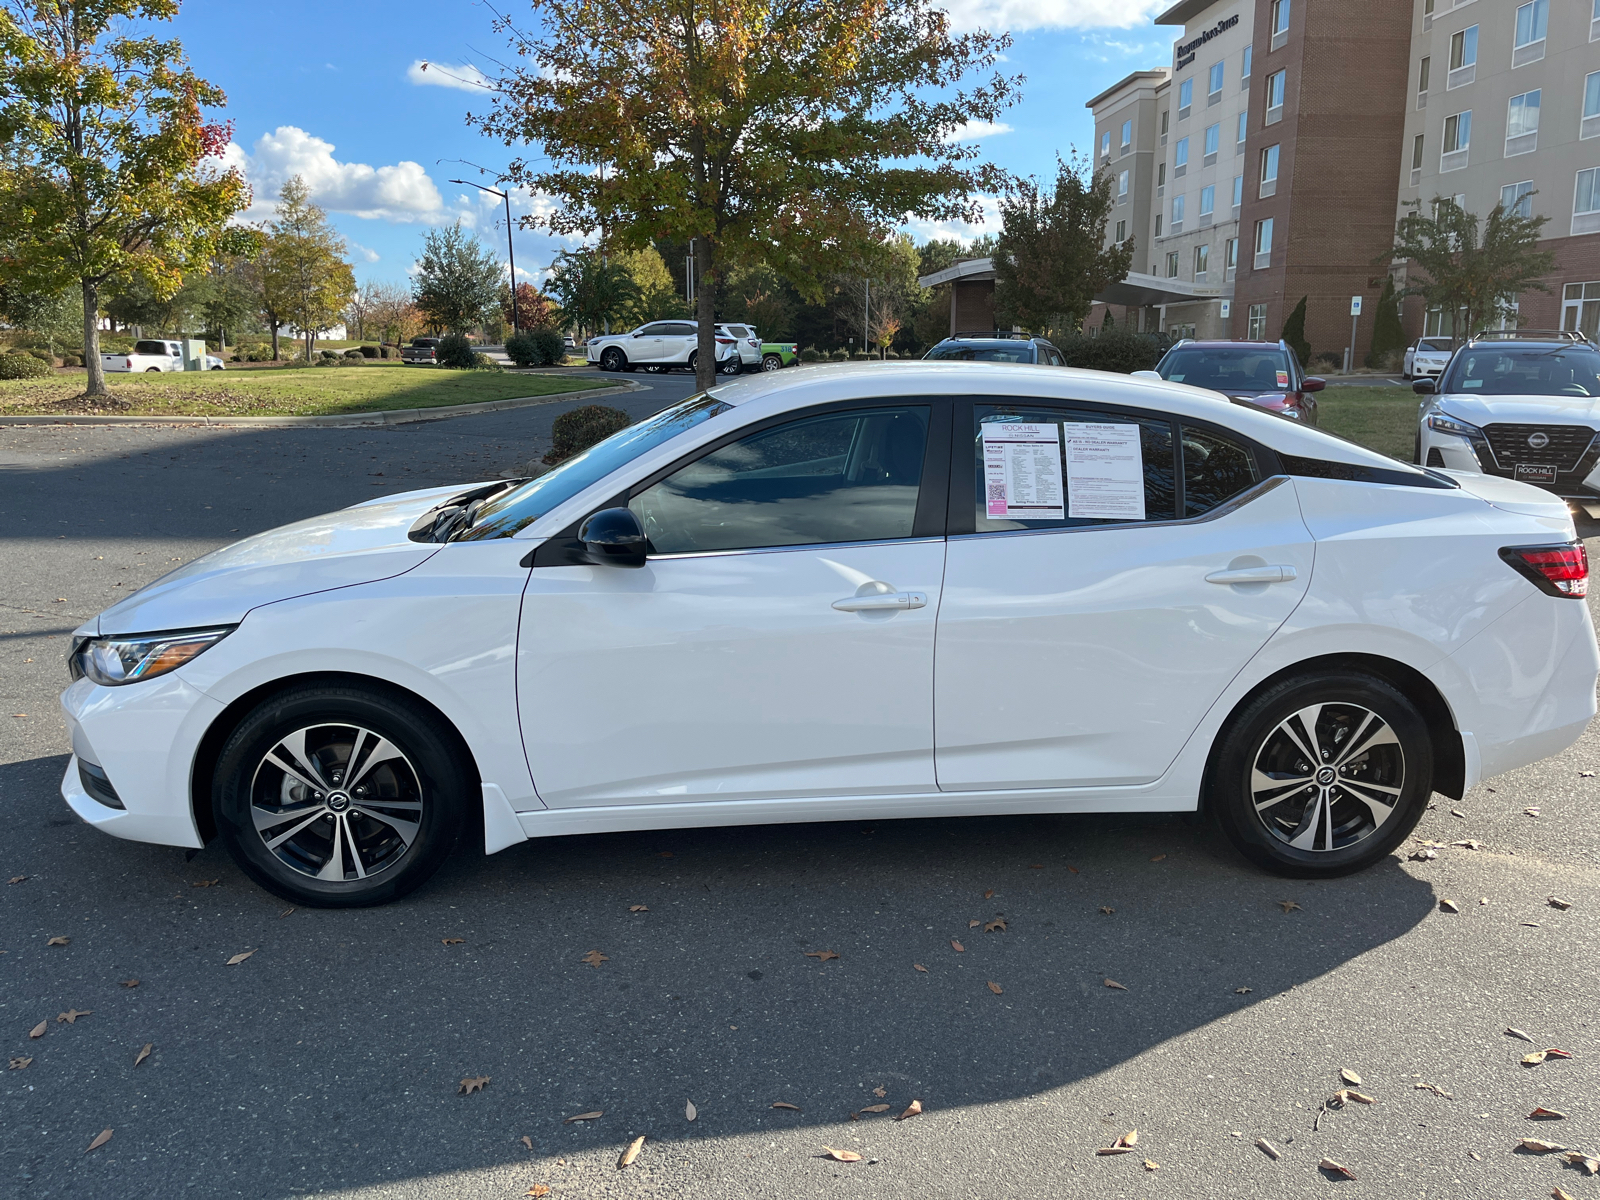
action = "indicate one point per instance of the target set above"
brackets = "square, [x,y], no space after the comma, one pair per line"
[463,76]
[402,192]
[1016,16]
[972,131]
[962,231]
[363,252]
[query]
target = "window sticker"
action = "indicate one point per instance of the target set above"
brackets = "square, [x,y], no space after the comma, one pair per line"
[1472,383]
[1022,471]
[1105,471]
[1283,379]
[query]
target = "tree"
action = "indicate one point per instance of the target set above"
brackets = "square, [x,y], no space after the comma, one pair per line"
[794,135]
[1473,270]
[1294,332]
[656,295]
[457,282]
[56,316]
[534,310]
[306,281]
[110,178]
[590,289]
[1052,259]
[1388,336]
[391,312]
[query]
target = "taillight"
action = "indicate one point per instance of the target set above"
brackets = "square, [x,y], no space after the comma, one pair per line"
[1561,570]
[128,363]
[726,342]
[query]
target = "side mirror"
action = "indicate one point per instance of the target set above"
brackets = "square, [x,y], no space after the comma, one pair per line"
[1312,383]
[1151,375]
[613,537]
[1424,387]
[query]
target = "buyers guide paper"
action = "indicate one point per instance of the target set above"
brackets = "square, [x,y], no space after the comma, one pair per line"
[1105,472]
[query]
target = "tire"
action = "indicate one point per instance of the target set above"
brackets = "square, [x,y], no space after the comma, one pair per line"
[612,359]
[693,355]
[730,366]
[384,848]
[772,362]
[656,369]
[1350,809]
[152,370]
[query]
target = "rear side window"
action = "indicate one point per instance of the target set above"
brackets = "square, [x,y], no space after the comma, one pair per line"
[678,329]
[1215,469]
[839,477]
[151,348]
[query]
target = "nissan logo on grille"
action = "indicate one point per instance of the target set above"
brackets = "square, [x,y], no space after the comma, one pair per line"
[1539,440]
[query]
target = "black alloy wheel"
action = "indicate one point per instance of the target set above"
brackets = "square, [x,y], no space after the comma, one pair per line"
[730,365]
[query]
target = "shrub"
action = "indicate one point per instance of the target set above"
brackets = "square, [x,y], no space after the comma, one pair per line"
[355,354]
[540,347]
[1117,349]
[327,354]
[331,361]
[19,365]
[581,428]
[860,356]
[367,351]
[1388,336]
[69,359]
[482,362]
[810,355]
[456,351]
[1294,332]
[839,356]
[1326,363]
[43,356]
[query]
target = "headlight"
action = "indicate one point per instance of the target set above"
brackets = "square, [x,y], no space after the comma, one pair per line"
[1443,424]
[114,661]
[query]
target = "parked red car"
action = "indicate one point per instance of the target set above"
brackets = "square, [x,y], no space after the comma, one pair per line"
[1266,374]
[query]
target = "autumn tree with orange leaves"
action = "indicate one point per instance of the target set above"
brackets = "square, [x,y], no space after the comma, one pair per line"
[789,133]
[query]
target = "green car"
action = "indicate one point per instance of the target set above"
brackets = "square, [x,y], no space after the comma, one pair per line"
[777,355]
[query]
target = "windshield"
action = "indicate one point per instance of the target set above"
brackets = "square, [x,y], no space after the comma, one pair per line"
[1229,368]
[151,348]
[522,506]
[1018,352]
[1489,370]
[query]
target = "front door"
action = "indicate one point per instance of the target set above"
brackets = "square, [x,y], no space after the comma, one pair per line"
[779,641]
[1082,647]
[645,345]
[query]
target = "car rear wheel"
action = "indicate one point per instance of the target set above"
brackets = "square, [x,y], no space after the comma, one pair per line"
[730,366]
[771,362]
[339,797]
[1322,775]
[612,359]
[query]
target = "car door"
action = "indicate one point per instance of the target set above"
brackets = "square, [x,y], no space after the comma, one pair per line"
[644,344]
[1114,571]
[678,341]
[779,640]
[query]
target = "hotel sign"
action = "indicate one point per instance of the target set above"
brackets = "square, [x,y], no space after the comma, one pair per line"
[1186,52]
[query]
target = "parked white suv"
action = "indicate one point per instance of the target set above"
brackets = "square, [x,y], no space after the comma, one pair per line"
[663,345]
[1426,358]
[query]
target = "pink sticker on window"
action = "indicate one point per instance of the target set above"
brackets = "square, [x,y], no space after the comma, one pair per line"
[1283,379]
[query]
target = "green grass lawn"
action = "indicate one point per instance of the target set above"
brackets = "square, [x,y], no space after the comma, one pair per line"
[284,391]
[1382,418]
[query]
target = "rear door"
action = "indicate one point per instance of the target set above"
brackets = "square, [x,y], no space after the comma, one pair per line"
[1114,573]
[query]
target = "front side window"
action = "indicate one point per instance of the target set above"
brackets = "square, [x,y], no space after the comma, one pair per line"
[1208,200]
[1185,97]
[1464,48]
[1180,153]
[839,477]
[1531,22]
[1213,138]
[1518,198]
[1214,81]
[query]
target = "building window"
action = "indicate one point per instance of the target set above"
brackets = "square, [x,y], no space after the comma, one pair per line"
[1167,112]
[1122,232]
[1213,141]
[1172,265]
[1591,105]
[1158,228]
[1424,69]
[1208,200]
[1522,123]
[1238,190]
[1416,160]
[1532,18]
[1202,258]
[1244,72]
[1161,174]
[1185,97]
[1457,138]
[1244,127]
[1594,23]
[1180,158]
[1177,212]
[1105,144]
[1276,85]
[1280,23]
[1586,204]
[1255,329]
[1580,308]
[1122,184]
[1518,198]
[1127,136]
[1230,256]
[1263,257]
[1463,58]
[1269,172]
[1214,84]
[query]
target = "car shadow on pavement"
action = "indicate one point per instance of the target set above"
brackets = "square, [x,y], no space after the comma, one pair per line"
[737,967]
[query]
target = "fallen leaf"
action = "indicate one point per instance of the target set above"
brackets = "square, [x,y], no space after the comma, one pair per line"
[992,926]
[1535,1146]
[785,1104]
[1554,1053]
[876,1108]
[1350,1076]
[205,883]
[1584,1162]
[913,1109]
[880,1091]
[1424,855]
[996,988]
[1036,867]
[594,958]
[1112,983]
[538,1189]
[1468,844]
[1151,1166]
[100,1139]
[973,924]
[18,1064]
[631,1153]
[58,941]
[1517,1033]
[1546,1114]
[1347,1095]
[1434,1088]
[1456,812]
[38,1030]
[451,941]
[1241,991]
[1448,906]
[1268,1149]
[528,1142]
[474,1084]
[1074,870]
[588,1116]
[957,946]
[690,1112]
[17,879]
[239,958]
[1131,1138]
[1558,1194]
[919,967]
[989,895]
[842,1155]
[1534,1059]
[1532,812]
[72,1014]
[1158,858]
[1558,902]
[1328,1164]
[1107,1150]
[821,955]
[638,908]
[144,1053]
[1106,912]
[285,913]
[130,983]
[665,854]
[1288,906]
[1585,774]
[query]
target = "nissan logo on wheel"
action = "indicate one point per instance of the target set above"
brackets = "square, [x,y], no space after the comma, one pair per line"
[1539,440]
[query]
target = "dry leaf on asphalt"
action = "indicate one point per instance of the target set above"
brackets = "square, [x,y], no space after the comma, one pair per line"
[205,883]
[631,1153]
[1268,1149]
[1123,1145]
[996,988]
[913,1109]
[1468,844]
[1151,1166]
[919,967]
[1036,867]
[1448,906]
[1350,1077]
[1427,855]
[144,1053]
[1074,870]
[474,1084]
[821,955]
[38,1030]
[100,1139]
[538,1189]
[1112,983]
[992,926]
[1535,1146]
[285,913]
[957,946]
[665,854]
[973,924]
[1328,1164]
[876,1108]
[842,1155]
[19,1063]
[1558,1194]
[71,1016]
[1107,1150]
[1106,912]
[878,1091]
[1242,991]
[1456,812]
[594,958]
[1538,1056]
[1584,1162]
[1434,1088]
[1558,902]
[989,894]
[1289,906]
[1547,1114]
[239,958]
[58,941]
[451,941]
[526,1141]
[1532,812]
[1349,1096]
[690,1112]
[1131,1138]
[638,908]
[1517,1033]
[1158,858]
[588,1116]
[130,983]
[17,879]
[1585,774]
[785,1104]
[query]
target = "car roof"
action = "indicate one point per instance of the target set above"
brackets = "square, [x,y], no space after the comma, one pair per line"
[1215,342]
[970,339]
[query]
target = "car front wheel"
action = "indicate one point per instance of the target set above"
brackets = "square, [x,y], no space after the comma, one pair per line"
[339,797]
[612,359]
[1322,775]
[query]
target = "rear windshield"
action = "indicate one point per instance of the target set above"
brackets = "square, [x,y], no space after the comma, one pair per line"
[425,343]
[1434,344]
[151,348]
[1229,368]
[1489,370]
[1004,352]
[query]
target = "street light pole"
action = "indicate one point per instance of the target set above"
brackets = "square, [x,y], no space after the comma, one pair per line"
[511,253]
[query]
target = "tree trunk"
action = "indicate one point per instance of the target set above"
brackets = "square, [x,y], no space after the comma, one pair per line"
[91,340]
[275,328]
[705,308]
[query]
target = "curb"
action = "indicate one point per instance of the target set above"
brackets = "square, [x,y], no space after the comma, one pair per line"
[398,416]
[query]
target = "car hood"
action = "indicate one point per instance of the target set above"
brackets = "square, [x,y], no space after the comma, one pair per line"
[1532,410]
[354,545]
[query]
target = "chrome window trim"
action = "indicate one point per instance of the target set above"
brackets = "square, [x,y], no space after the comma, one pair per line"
[1233,504]
[785,549]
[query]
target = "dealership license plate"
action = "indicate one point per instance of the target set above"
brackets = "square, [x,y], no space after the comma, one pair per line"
[1536,472]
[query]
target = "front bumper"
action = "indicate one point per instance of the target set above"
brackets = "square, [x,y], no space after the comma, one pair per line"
[1579,480]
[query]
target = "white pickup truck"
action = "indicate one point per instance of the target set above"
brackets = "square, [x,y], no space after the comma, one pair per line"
[152,355]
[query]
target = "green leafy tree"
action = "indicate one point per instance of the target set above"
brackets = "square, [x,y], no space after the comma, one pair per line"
[590,289]
[113,174]
[1472,268]
[56,316]
[795,135]
[1051,260]
[1294,332]
[305,280]
[657,296]
[458,282]
[1388,335]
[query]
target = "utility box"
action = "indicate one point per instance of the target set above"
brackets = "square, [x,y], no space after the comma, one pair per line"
[194,354]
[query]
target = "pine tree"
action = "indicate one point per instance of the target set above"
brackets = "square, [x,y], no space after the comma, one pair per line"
[1294,332]
[1387,335]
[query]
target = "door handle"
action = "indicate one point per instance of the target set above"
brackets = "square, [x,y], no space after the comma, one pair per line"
[882,602]
[1282,574]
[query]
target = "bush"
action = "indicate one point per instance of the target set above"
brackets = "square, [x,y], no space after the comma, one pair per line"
[861,356]
[1294,332]
[43,356]
[69,359]
[367,351]
[482,362]
[327,354]
[1388,336]
[839,356]
[456,351]
[540,347]
[355,354]
[1326,363]
[21,365]
[1117,349]
[581,428]
[810,355]
[331,361]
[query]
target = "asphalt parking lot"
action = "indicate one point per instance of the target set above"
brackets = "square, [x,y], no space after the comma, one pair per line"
[331,1061]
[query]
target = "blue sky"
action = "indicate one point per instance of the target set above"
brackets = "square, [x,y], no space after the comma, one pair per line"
[329,90]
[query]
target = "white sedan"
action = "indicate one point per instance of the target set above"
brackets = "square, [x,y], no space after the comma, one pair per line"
[1426,358]
[857,593]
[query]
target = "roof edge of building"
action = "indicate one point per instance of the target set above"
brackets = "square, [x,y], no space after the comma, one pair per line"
[1159,74]
[1183,11]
